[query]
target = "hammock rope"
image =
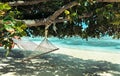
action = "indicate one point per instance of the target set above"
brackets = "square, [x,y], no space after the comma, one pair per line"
[35,50]
[46,32]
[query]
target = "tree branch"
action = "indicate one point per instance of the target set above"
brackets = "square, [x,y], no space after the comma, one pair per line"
[23,3]
[108,0]
[51,19]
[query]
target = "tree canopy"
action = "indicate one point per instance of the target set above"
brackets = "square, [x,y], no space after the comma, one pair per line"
[62,18]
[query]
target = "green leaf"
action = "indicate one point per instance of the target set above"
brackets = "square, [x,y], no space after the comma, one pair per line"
[11,13]
[19,29]
[23,33]
[1,6]
[23,26]
[6,6]
[109,6]
[74,14]
[98,10]
[8,27]
[10,18]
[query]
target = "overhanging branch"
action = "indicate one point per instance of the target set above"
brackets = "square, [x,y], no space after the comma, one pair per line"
[108,0]
[51,19]
[23,3]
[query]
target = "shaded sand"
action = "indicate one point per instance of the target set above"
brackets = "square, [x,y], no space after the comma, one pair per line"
[64,62]
[113,57]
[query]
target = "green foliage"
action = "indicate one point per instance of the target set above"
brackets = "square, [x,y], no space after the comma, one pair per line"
[9,27]
[101,18]
[4,6]
[116,21]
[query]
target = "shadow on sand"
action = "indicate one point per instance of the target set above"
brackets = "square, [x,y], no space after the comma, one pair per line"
[56,65]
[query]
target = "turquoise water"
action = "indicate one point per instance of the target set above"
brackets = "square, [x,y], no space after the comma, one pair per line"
[104,44]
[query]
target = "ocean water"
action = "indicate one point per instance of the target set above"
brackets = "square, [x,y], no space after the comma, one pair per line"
[105,44]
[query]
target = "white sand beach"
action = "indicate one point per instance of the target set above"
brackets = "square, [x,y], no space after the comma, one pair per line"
[112,57]
[65,62]
[96,54]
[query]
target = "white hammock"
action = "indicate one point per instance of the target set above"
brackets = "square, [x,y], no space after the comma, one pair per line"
[33,49]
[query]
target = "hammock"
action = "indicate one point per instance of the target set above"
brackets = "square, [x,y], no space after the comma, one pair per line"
[33,50]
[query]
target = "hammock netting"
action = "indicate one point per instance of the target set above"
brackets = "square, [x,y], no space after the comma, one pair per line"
[31,49]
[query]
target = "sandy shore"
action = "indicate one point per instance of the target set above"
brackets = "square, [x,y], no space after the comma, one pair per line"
[63,62]
[112,57]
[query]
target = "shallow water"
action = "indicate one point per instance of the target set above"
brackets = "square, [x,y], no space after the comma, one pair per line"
[106,44]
